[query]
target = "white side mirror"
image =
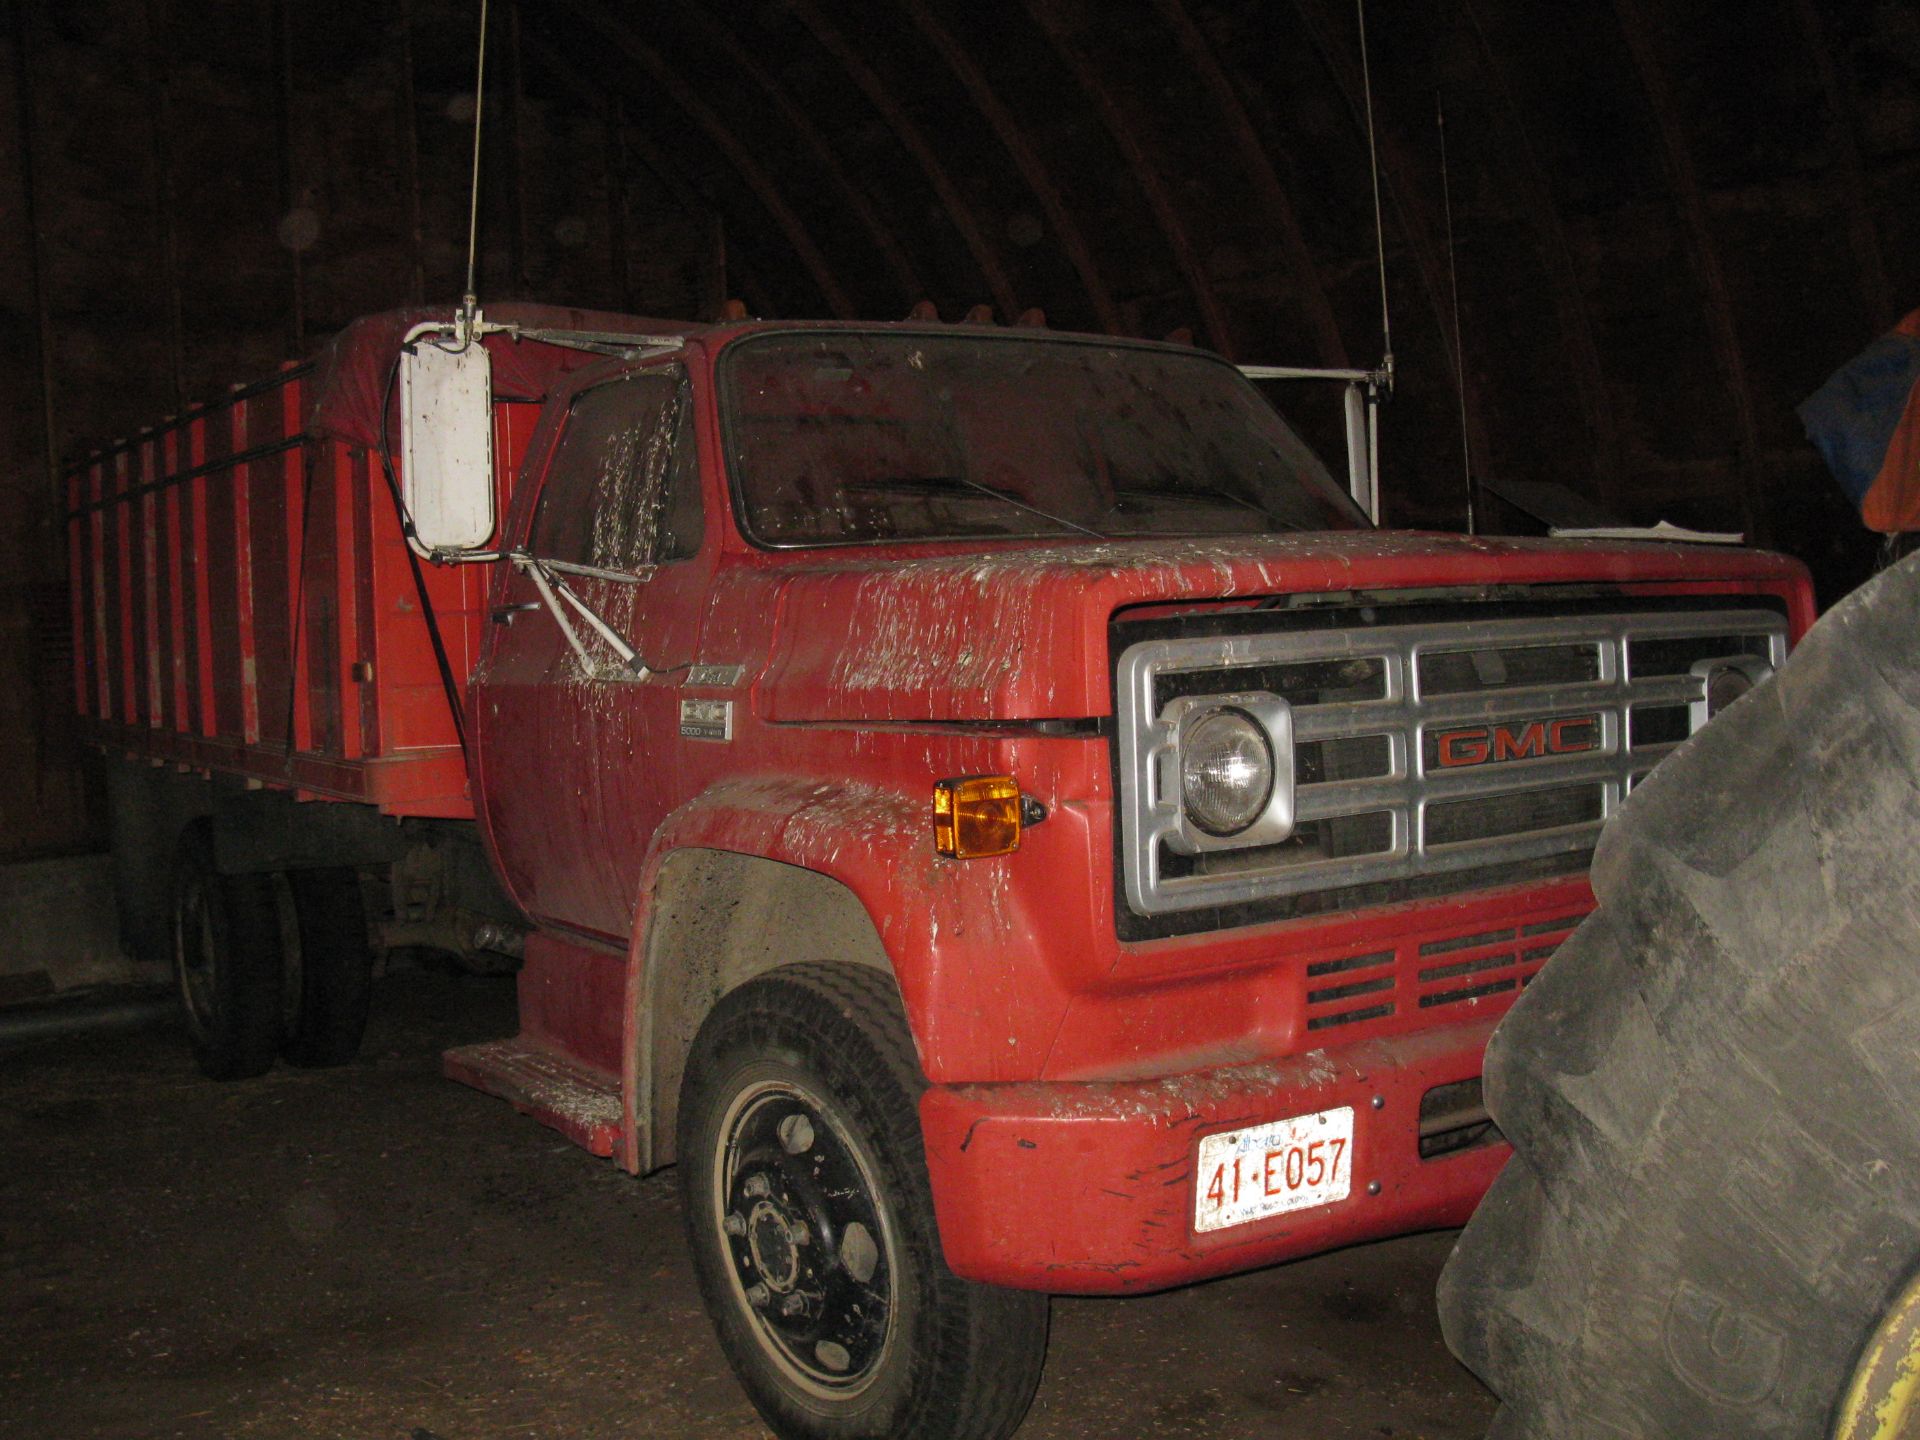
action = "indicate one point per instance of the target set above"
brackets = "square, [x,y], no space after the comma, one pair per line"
[446,454]
[1363,447]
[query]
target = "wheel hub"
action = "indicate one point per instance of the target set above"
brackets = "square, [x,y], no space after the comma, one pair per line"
[802,1229]
[770,1238]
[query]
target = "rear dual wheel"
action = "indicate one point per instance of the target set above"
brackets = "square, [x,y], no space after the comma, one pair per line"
[227,961]
[265,965]
[811,1223]
[331,975]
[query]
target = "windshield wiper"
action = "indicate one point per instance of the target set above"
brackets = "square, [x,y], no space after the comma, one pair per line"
[929,482]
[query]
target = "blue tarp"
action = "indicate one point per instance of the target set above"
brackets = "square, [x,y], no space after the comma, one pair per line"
[1865,421]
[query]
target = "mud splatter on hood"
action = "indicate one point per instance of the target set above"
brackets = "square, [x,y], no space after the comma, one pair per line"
[1021,633]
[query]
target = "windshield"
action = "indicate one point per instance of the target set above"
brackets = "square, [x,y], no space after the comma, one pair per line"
[847,438]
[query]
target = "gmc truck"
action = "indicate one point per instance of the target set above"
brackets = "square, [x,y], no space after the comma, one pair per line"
[986,803]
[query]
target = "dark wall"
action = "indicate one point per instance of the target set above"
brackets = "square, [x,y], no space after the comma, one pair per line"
[1670,221]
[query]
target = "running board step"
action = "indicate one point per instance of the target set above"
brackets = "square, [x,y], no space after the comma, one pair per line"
[580,1102]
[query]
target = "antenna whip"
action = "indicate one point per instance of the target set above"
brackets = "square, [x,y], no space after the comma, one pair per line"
[1379,230]
[473,202]
[1453,280]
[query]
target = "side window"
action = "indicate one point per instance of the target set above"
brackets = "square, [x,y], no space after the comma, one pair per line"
[624,487]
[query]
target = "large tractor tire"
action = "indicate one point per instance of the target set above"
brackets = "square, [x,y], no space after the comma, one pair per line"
[1712,1217]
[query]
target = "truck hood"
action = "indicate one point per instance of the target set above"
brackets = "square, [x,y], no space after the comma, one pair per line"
[1021,634]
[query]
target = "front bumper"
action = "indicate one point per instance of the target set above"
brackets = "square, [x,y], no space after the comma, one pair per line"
[1088,1188]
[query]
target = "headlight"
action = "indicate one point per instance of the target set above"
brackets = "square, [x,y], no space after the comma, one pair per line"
[1226,772]
[1724,687]
[1722,682]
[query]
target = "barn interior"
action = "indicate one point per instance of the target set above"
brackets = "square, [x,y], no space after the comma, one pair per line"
[1611,247]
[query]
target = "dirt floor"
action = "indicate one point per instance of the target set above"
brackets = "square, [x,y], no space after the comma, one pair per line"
[375,1252]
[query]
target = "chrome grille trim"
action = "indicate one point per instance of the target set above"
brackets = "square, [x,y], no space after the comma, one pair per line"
[1148,748]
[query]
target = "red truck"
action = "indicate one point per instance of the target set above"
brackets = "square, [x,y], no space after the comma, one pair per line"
[985,802]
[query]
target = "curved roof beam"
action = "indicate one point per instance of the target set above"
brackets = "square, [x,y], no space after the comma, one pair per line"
[1702,253]
[738,155]
[909,135]
[905,277]
[1114,117]
[1398,172]
[1306,276]
[1013,139]
[685,195]
[1556,252]
[1868,259]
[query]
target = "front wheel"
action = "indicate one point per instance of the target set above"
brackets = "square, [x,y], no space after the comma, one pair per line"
[811,1223]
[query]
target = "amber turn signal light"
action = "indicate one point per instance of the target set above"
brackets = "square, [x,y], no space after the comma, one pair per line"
[975,816]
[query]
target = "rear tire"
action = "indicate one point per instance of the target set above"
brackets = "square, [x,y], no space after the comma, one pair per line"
[811,1223]
[335,970]
[1713,1089]
[226,961]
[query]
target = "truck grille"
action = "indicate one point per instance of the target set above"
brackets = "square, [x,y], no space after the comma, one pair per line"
[1415,750]
[1419,976]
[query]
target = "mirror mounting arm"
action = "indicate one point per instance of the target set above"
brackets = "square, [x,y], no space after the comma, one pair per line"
[553,588]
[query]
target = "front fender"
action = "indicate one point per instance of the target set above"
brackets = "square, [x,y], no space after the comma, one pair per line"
[959,944]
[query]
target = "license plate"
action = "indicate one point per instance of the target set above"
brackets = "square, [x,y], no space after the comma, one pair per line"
[1270,1169]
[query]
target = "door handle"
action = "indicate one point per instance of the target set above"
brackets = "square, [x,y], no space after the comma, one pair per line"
[503,614]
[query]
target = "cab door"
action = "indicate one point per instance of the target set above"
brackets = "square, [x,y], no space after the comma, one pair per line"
[574,744]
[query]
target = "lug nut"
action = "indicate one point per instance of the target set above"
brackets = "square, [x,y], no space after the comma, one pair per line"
[757,1296]
[792,1305]
[799,1233]
[734,1225]
[756,1186]
[796,1134]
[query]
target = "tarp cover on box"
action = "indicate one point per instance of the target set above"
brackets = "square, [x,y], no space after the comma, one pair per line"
[355,366]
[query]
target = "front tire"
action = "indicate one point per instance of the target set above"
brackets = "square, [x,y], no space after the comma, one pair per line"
[811,1223]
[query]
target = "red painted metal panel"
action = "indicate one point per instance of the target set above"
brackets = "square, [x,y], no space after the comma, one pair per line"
[246,652]
[349,474]
[1021,633]
[171,542]
[152,702]
[223,562]
[101,652]
[318,610]
[77,588]
[1089,1188]
[201,570]
[125,615]
[177,611]
[299,498]
[266,486]
[570,996]
[240,583]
